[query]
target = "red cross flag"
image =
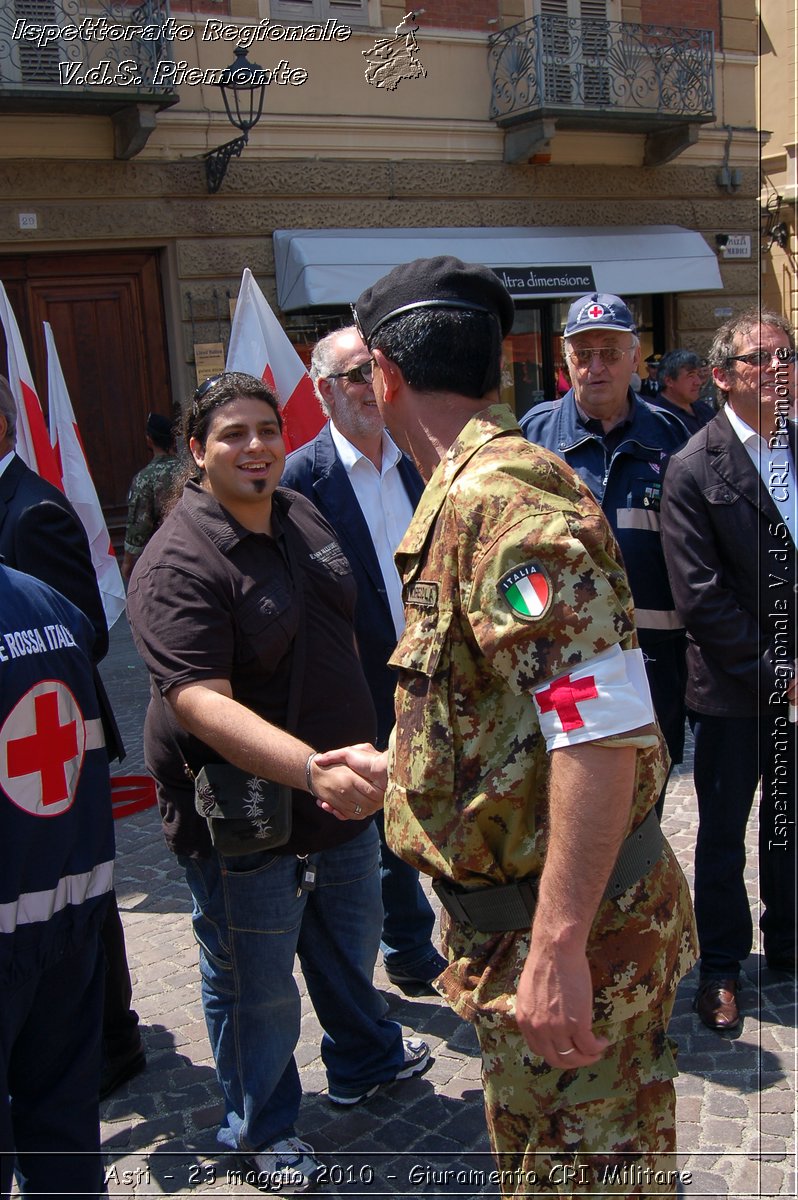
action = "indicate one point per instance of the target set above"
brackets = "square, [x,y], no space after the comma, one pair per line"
[606,695]
[260,346]
[33,444]
[79,486]
[42,744]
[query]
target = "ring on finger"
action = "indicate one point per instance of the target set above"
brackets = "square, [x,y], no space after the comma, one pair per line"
[564,1052]
[358,810]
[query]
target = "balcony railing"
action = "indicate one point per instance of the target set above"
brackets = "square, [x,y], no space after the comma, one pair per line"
[595,71]
[55,53]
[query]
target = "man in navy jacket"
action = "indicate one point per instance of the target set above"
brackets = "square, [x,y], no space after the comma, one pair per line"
[620,446]
[367,489]
[56,875]
[41,534]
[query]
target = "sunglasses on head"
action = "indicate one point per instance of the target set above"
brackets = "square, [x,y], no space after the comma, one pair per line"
[206,385]
[362,373]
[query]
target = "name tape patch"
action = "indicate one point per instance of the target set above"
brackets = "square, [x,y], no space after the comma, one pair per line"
[423,595]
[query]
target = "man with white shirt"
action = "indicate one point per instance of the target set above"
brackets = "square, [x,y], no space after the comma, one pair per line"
[367,489]
[729,533]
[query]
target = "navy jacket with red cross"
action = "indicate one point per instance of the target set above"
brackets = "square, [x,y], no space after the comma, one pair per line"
[627,483]
[56,829]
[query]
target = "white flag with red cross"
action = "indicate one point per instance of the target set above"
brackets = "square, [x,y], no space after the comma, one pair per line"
[78,485]
[33,442]
[260,346]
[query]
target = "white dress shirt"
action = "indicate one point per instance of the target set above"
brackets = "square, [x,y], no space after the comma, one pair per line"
[775,467]
[385,505]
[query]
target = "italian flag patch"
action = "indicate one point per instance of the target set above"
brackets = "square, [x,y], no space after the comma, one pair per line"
[527,591]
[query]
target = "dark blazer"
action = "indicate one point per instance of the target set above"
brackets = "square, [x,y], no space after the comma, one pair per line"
[732,565]
[42,535]
[316,471]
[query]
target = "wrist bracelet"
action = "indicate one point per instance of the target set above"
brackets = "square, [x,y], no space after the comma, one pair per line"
[308,776]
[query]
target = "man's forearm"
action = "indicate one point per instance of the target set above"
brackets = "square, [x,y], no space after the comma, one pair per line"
[590,797]
[241,737]
[589,804]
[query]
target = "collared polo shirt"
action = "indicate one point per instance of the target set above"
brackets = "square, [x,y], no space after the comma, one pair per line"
[209,599]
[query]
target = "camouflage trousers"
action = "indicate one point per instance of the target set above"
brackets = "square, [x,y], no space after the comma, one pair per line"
[606,1130]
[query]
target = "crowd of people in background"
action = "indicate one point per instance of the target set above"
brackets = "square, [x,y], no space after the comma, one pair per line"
[525,613]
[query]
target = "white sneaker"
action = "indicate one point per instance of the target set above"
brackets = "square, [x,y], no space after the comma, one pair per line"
[416,1060]
[289,1167]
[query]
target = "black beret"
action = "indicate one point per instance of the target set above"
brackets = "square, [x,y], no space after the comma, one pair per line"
[442,282]
[158,426]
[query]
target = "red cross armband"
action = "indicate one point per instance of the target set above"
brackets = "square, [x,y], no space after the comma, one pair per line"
[606,695]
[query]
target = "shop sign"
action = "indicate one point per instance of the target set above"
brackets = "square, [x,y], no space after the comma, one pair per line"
[546,281]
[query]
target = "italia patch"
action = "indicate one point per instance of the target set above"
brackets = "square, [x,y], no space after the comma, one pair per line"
[527,591]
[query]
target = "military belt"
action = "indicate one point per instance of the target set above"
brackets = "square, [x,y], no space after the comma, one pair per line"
[511,906]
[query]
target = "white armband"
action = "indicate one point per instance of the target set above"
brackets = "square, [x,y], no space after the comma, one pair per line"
[606,695]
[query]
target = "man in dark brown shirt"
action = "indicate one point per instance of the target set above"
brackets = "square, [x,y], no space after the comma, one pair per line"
[241,578]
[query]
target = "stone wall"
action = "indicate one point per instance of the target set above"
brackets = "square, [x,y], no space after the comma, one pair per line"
[208,240]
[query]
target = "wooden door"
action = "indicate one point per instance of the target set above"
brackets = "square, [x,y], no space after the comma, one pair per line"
[106,313]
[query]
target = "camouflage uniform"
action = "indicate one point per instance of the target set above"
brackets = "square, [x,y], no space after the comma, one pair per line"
[467,798]
[145,506]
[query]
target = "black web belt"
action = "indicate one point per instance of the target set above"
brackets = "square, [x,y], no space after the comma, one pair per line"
[512,905]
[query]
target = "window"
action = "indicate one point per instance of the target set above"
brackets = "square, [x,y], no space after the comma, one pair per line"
[576,40]
[347,12]
[29,63]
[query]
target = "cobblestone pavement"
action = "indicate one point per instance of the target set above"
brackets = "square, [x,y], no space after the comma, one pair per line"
[426,1136]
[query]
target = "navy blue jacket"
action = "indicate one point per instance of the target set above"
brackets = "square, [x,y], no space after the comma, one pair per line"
[628,485]
[56,829]
[316,471]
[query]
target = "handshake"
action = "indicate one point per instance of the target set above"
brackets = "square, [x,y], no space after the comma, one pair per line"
[350,782]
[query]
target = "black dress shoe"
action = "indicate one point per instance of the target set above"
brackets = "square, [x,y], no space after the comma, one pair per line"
[419,982]
[716,1004]
[120,1069]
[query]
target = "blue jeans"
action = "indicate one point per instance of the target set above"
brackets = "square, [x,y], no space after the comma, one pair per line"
[249,923]
[408,917]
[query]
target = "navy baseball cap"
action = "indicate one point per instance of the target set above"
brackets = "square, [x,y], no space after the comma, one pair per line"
[599,310]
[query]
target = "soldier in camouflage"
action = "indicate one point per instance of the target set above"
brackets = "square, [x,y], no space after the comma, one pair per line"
[526,760]
[150,490]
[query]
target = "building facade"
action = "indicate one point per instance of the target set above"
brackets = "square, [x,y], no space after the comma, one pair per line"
[778,68]
[566,143]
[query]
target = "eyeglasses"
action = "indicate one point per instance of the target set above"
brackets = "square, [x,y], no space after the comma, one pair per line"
[362,373]
[763,358]
[607,354]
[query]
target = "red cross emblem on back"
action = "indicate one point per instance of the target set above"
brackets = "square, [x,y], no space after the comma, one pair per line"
[595,311]
[562,697]
[42,743]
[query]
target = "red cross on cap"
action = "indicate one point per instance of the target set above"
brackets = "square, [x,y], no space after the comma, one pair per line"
[595,311]
[42,744]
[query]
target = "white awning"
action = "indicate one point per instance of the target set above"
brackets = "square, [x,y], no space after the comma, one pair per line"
[316,267]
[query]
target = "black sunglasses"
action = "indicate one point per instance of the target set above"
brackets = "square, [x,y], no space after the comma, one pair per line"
[207,384]
[763,358]
[362,373]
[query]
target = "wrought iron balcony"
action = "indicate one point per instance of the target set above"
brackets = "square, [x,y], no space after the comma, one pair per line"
[608,75]
[87,56]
